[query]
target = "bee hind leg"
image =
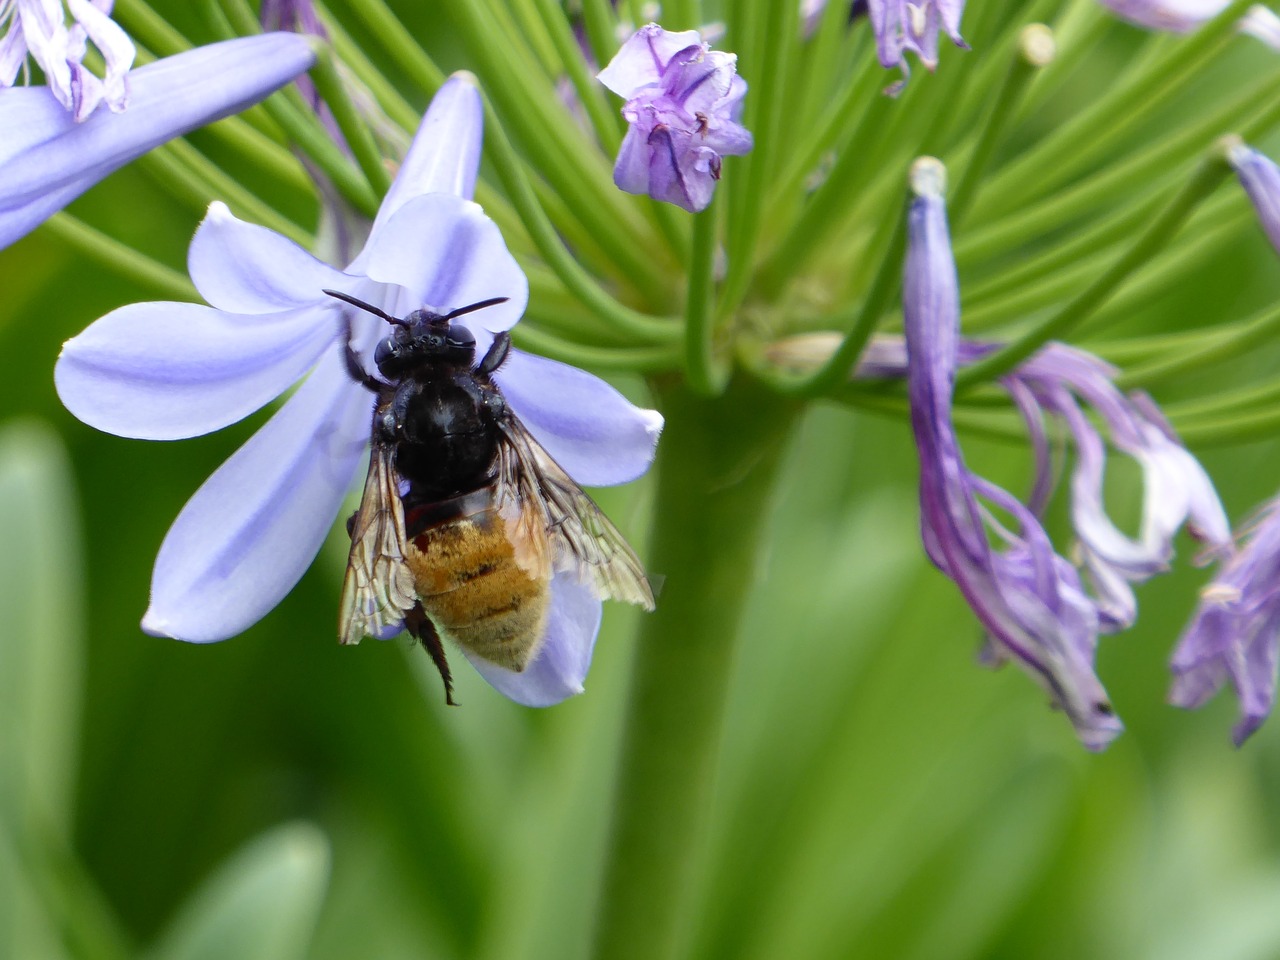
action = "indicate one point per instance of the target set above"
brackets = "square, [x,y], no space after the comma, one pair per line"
[419,624]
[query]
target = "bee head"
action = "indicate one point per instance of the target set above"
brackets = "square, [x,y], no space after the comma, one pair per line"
[422,338]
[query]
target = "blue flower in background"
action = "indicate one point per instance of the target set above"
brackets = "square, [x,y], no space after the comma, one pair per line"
[172,370]
[49,158]
[684,101]
[901,26]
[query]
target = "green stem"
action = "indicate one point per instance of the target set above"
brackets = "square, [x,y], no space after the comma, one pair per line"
[601,20]
[1034,51]
[1211,172]
[717,467]
[355,131]
[399,42]
[707,375]
[887,282]
[647,329]
[628,359]
[590,91]
[123,259]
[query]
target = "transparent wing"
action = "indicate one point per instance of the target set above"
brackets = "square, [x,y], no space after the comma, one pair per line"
[554,525]
[377,590]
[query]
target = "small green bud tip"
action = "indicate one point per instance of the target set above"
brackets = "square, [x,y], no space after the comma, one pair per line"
[1232,149]
[928,177]
[1037,45]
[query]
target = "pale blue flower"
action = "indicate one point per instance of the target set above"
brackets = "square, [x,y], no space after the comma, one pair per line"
[39,29]
[172,370]
[1178,16]
[1263,24]
[684,101]
[49,158]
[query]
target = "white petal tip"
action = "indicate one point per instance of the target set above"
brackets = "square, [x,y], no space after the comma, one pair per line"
[465,76]
[219,212]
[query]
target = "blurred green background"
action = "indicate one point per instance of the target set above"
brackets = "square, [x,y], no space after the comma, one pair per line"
[879,793]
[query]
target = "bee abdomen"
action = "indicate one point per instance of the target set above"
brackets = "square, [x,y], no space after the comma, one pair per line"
[470,585]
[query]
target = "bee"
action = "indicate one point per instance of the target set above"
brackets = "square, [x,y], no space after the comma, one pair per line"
[464,518]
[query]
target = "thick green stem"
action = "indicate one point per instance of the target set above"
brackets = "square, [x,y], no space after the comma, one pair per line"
[717,465]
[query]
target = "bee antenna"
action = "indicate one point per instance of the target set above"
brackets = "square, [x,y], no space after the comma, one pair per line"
[472,308]
[368,307]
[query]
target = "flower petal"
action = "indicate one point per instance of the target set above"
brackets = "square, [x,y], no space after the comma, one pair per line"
[446,254]
[161,371]
[559,669]
[250,532]
[169,98]
[643,58]
[1176,15]
[244,268]
[591,429]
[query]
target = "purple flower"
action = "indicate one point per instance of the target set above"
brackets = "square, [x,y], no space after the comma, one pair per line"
[171,370]
[49,159]
[1260,178]
[1179,16]
[39,28]
[683,104]
[1030,600]
[901,25]
[1235,634]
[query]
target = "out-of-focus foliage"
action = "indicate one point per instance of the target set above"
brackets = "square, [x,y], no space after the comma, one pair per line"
[879,794]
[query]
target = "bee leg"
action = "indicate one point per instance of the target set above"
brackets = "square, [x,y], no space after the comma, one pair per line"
[355,369]
[496,354]
[419,624]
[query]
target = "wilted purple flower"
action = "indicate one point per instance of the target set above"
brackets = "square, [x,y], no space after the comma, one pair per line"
[172,370]
[1235,634]
[901,25]
[1260,178]
[1029,599]
[1264,24]
[683,105]
[1176,489]
[39,28]
[49,159]
[1179,16]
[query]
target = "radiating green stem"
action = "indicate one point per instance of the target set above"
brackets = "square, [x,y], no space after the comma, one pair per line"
[706,373]
[1035,50]
[1156,237]
[355,131]
[717,467]
[123,259]
[399,42]
[631,359]
[604,120]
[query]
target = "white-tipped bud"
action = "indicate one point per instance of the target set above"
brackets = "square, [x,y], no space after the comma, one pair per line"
[928,177]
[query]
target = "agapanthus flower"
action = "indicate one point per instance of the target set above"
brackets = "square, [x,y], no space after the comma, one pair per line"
[49,159]
[1235,633]
[1262,23]
[902,26]
[684,101]
[172,370]
[1031,601]
[38,28]
[1178,16]
[1260,178]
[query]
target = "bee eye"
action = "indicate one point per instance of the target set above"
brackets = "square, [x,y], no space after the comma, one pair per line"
[385,350]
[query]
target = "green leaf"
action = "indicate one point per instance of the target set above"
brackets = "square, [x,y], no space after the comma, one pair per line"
[263,904]
[41,645]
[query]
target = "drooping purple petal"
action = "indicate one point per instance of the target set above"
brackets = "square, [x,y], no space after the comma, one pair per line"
[165,371]
[591,430]
[1028,598]
[1235,634]
[460,260]
[167,99]
[560,667]
[1260,178]
[250,532]
[913,25]
[244,268]
[116,48]
[1179,16]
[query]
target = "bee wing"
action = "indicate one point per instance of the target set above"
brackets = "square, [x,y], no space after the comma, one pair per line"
[377,590]
[554,524]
